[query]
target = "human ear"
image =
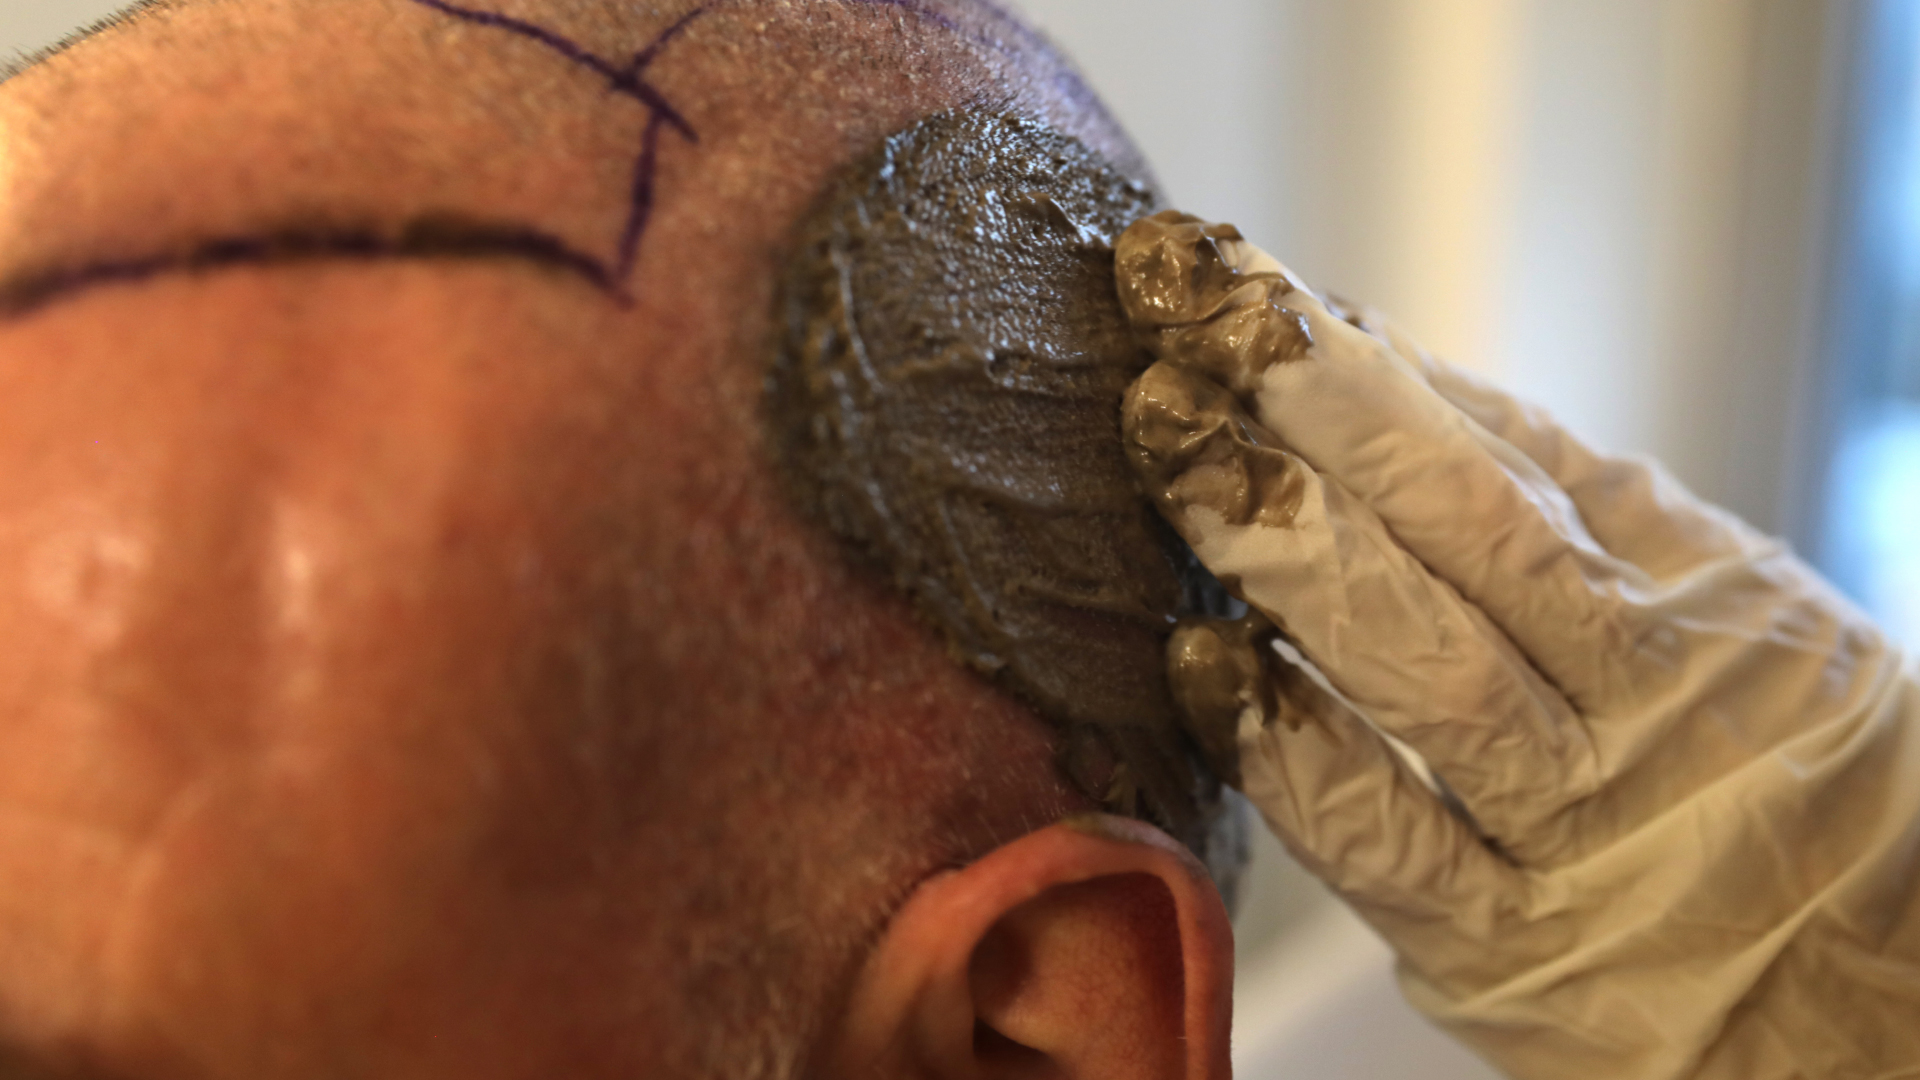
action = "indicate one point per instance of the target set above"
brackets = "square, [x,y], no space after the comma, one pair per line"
[1096,948]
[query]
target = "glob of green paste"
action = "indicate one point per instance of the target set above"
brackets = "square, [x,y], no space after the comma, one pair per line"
[949,363]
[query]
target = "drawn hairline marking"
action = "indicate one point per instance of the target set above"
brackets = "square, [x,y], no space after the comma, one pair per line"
[434,235]
[453,236]
[627,80]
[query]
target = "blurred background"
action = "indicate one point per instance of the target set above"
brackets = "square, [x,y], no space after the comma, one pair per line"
[1690,228]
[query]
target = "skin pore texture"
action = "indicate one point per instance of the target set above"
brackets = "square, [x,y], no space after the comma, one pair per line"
[945,395]
[412,664]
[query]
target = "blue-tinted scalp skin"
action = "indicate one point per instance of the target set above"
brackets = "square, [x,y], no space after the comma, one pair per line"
[949,366]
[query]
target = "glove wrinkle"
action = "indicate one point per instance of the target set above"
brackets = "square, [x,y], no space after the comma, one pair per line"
[1694,768]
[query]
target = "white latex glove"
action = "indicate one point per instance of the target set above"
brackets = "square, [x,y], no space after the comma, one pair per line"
[1684,773]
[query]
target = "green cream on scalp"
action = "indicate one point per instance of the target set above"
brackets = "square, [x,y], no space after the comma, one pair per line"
[949,362]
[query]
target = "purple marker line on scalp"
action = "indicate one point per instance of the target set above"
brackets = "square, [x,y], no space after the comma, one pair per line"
[437,238]
[433,236]
[627,80]
[449,236]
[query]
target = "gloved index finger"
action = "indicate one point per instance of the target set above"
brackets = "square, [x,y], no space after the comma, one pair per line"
[1354,411]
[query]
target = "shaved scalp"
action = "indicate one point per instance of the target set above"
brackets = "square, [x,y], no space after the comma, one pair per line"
[512,49]
[440,327]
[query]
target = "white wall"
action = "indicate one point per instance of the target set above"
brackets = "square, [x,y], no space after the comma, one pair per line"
[28,25]
[1609,204]
[1666,244]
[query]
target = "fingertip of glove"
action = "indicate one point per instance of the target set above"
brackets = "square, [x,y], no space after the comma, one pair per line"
[1198,294]
[1167,409]
[1169,265]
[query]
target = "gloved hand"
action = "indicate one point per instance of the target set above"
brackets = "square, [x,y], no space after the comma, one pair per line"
[1676,827]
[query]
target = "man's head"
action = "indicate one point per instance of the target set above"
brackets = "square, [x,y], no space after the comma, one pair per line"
[411,665]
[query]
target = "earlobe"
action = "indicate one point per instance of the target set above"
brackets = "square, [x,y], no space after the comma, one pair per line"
[1094,948]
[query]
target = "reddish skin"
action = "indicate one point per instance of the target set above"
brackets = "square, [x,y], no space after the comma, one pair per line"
[364,627]
[1094,950]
